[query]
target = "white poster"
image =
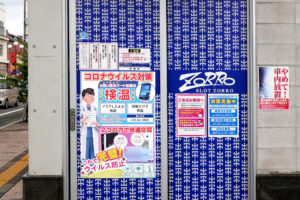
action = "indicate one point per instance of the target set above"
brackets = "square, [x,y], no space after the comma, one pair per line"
[98,56]
[84,56]
[134,59]
[94,55]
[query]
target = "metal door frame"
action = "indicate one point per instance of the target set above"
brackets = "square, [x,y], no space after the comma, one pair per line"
[251,82]
[71,193]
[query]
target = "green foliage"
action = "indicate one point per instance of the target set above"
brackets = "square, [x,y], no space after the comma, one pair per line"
[12,81]
[23,67]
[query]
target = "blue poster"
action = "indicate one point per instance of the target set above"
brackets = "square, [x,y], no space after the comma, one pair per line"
[223,115]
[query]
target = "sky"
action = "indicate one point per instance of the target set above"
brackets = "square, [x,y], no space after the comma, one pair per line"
[14,16]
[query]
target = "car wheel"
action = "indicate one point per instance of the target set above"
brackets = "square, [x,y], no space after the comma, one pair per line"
[6,104]
[17,102]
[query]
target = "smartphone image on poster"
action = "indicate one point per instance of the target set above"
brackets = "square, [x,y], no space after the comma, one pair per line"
[145,91]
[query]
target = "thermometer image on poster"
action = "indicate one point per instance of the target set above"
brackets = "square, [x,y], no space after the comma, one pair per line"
[145,91]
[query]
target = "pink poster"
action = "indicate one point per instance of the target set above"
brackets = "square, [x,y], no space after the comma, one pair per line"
[273,88]
[190,115]
[124,152]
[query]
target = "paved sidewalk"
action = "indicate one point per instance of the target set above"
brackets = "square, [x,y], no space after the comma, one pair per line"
[13,146]
[13,141]
[15,193]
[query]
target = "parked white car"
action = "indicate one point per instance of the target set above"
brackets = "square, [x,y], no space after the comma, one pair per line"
[9,95]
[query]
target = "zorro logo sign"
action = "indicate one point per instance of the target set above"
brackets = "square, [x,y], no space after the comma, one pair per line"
[199,79]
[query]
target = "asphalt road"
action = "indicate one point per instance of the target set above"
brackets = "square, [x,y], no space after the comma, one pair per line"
[11,115]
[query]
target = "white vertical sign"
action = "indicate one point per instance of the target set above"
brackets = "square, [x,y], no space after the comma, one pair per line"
[84,56]
[94,56]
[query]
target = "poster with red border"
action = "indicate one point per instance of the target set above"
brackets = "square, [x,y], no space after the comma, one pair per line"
[117,124]
[274,88]
[190,115]
[124,152]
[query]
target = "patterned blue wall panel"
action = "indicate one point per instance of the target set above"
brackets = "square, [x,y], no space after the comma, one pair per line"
[202,36]
[207,36]
[132,24]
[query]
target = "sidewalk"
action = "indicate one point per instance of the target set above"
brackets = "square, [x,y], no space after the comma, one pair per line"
[13,148]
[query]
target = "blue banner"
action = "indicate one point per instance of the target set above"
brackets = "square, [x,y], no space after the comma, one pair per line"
[207,55]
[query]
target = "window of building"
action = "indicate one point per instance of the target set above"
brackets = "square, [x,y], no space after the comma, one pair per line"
[1,50]
[2,29]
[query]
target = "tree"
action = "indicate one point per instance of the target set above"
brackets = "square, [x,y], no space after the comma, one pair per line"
[23,76]
[23,68]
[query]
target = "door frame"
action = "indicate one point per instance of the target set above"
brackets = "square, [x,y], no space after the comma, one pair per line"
[251,64]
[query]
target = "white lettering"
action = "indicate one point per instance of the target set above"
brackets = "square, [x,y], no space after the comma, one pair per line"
[192,80]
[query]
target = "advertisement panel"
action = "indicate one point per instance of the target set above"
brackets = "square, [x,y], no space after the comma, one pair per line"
[274,88]
[223,117]
[118,108]
[190,115]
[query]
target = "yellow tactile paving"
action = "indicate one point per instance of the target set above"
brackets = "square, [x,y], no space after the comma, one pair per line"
[13,170]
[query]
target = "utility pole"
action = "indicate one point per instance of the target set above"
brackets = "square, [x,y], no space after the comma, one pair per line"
[25,20]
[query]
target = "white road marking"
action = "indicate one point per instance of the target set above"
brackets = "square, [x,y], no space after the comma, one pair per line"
[7,125]
[11,112]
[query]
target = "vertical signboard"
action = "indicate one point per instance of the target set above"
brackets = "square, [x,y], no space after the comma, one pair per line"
[207,99]
[274,88]
[118,99]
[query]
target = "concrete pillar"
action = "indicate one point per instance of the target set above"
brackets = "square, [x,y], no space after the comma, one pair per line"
[46,97]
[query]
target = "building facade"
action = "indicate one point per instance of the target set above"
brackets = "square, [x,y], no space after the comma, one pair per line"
[276,32]
[3,42]
[278,133]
